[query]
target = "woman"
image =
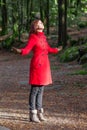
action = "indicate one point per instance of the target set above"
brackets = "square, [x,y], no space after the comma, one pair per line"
[40,74]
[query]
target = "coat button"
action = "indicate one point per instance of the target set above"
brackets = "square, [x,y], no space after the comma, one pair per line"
[39,64]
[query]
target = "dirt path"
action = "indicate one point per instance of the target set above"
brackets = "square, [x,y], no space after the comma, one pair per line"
[65,102]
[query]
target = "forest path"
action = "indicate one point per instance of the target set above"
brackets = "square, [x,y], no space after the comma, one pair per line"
[65,102]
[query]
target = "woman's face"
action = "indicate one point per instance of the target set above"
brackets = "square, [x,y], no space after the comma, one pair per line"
[40,26]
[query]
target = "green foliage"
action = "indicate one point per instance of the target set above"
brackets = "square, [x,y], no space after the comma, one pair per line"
[84,47]
[84,66]
[82,24]
[69,54]
[80,41]
[7,43]
[15,27]
[74,42]
[53,13]
[79,72]
[72,53]
[21,13]
[83,40]
[76,10]
[83,59]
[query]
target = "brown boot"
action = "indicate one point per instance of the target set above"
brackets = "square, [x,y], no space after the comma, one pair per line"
[34,117]
[41,116]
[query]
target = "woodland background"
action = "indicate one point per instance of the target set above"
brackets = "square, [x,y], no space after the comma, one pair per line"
[65,102]
[65,21]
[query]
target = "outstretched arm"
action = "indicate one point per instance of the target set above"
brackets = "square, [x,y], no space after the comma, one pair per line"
[27,48]
[54,50]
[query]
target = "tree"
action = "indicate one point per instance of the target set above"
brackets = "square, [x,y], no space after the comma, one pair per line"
[4,16]
[47,17]
[31,10]
[17,15]
[27,13]
[41,10]
[62,26]
[60,15]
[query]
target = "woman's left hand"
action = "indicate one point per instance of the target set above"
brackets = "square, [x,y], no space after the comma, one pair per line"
[60,48]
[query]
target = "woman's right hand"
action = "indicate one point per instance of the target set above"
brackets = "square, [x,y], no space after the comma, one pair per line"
[16,50]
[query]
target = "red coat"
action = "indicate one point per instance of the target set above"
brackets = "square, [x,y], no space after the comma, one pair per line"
[40,73]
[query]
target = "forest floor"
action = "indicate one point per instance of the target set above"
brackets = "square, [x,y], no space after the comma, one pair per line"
[65,101]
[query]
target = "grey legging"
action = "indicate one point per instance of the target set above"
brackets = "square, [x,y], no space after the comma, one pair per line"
[35,97]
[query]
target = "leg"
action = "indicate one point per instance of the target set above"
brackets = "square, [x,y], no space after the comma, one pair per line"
[32,104]
[39,97]
[32,97]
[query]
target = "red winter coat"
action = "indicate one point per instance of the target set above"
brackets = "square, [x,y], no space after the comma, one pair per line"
[40,73]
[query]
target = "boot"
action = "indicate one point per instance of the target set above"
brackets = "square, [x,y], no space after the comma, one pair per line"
[41,116]
[34,117]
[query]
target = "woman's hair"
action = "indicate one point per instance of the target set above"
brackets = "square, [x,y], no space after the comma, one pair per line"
[34,26]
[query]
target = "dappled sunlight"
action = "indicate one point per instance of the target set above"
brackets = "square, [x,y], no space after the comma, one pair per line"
[70,119]
[14,114]
[53,119]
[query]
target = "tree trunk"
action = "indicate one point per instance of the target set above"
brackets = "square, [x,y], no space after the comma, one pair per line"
[65,24]
[47,17]
[22,15]
[31,9]
[0,21]
[60,15]
[78,2]
[19,19]
[4,16]
[27,12]
[41,10]
[62,27]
